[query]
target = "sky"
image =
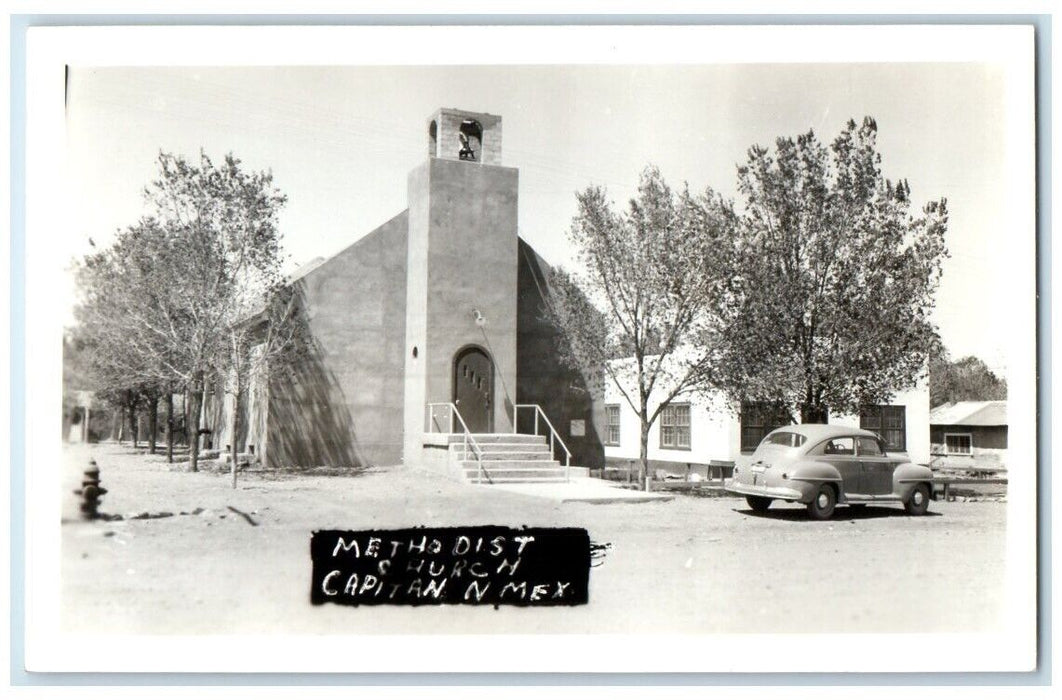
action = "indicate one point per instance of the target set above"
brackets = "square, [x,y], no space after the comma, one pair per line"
[340,142]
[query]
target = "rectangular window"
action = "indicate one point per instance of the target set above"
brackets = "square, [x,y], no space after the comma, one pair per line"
[890,422]
[675,427]
[612,425]
[958,443]
[759,418]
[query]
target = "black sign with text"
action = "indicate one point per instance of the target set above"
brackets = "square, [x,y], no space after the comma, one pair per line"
[486,565]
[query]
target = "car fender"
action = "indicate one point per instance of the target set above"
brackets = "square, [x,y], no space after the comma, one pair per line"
[807,476]
[907,476]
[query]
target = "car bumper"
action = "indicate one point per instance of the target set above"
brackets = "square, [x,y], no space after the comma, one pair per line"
[765,491]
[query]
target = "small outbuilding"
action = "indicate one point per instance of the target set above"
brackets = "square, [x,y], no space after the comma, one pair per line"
[969,435]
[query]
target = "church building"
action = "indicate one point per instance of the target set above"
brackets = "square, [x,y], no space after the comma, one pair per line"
[432,325]
[432,346]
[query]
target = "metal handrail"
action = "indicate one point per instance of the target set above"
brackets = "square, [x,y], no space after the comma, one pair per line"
[554,435]
[468,439]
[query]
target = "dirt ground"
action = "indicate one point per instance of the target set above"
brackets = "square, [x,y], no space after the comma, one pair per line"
[691,564]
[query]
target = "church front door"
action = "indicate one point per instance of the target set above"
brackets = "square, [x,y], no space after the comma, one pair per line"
[474,388]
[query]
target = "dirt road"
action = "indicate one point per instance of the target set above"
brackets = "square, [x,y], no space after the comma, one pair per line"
[686,565]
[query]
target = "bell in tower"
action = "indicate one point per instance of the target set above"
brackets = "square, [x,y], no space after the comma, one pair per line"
[471,137]
[474,137]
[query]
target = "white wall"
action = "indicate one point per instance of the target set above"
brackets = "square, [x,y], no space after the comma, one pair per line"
[713,432]
[715,428]
[916,404]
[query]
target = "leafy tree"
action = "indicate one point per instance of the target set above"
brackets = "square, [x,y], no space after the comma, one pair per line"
[120,363]
[272,341]
[161,302]
[965,379]
[834,277]
[654,278]
[224,257]
[77,377]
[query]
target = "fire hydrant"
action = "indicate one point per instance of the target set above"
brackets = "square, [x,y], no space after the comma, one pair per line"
[90,492]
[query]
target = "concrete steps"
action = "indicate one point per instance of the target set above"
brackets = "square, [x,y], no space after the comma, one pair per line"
[494,456]
[483,439]
[506,458]
[511,452]
[513,471]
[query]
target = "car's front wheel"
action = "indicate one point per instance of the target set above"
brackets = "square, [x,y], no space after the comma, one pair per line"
[918,502]
[759,504]
[821,506]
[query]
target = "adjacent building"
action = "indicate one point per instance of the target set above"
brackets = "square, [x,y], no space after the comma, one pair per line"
[697,429]
[969,435]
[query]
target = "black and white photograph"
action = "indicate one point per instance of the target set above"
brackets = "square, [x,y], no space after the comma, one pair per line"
[531,349]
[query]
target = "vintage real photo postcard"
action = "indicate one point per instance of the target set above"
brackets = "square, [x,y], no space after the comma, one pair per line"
[531,349]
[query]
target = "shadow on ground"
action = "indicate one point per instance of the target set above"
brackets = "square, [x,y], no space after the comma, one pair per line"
[842,513]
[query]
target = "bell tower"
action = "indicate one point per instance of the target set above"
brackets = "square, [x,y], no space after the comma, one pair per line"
[475,137]
[461,278]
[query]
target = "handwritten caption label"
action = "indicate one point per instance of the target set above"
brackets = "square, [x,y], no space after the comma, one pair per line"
[487,565]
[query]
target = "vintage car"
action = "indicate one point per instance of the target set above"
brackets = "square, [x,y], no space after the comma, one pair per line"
[825,465]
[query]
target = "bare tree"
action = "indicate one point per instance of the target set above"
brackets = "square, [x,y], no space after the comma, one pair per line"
[644,311]
[269,342]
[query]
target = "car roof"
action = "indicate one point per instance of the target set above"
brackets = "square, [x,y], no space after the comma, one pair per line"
[816,432]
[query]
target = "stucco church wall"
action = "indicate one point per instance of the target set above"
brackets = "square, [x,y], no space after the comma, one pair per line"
[345,406]
[541,378]
[462,257]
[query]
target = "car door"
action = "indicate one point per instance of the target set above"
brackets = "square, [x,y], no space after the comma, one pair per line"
[840,453]
[876,467]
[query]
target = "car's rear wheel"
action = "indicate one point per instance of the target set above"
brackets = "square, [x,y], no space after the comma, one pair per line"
[821,506]
[918,502]
[758,504]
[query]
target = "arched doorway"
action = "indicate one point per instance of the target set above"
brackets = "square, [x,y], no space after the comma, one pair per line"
[473,388]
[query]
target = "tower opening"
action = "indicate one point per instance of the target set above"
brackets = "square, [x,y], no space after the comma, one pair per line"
[433,139]
[470,136]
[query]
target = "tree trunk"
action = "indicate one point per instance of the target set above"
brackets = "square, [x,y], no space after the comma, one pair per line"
[169,425]
[263,438]
[644,448]
[153,423]
[132,423]
[193,428]
[186,408]
[234,437]
[813,413]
